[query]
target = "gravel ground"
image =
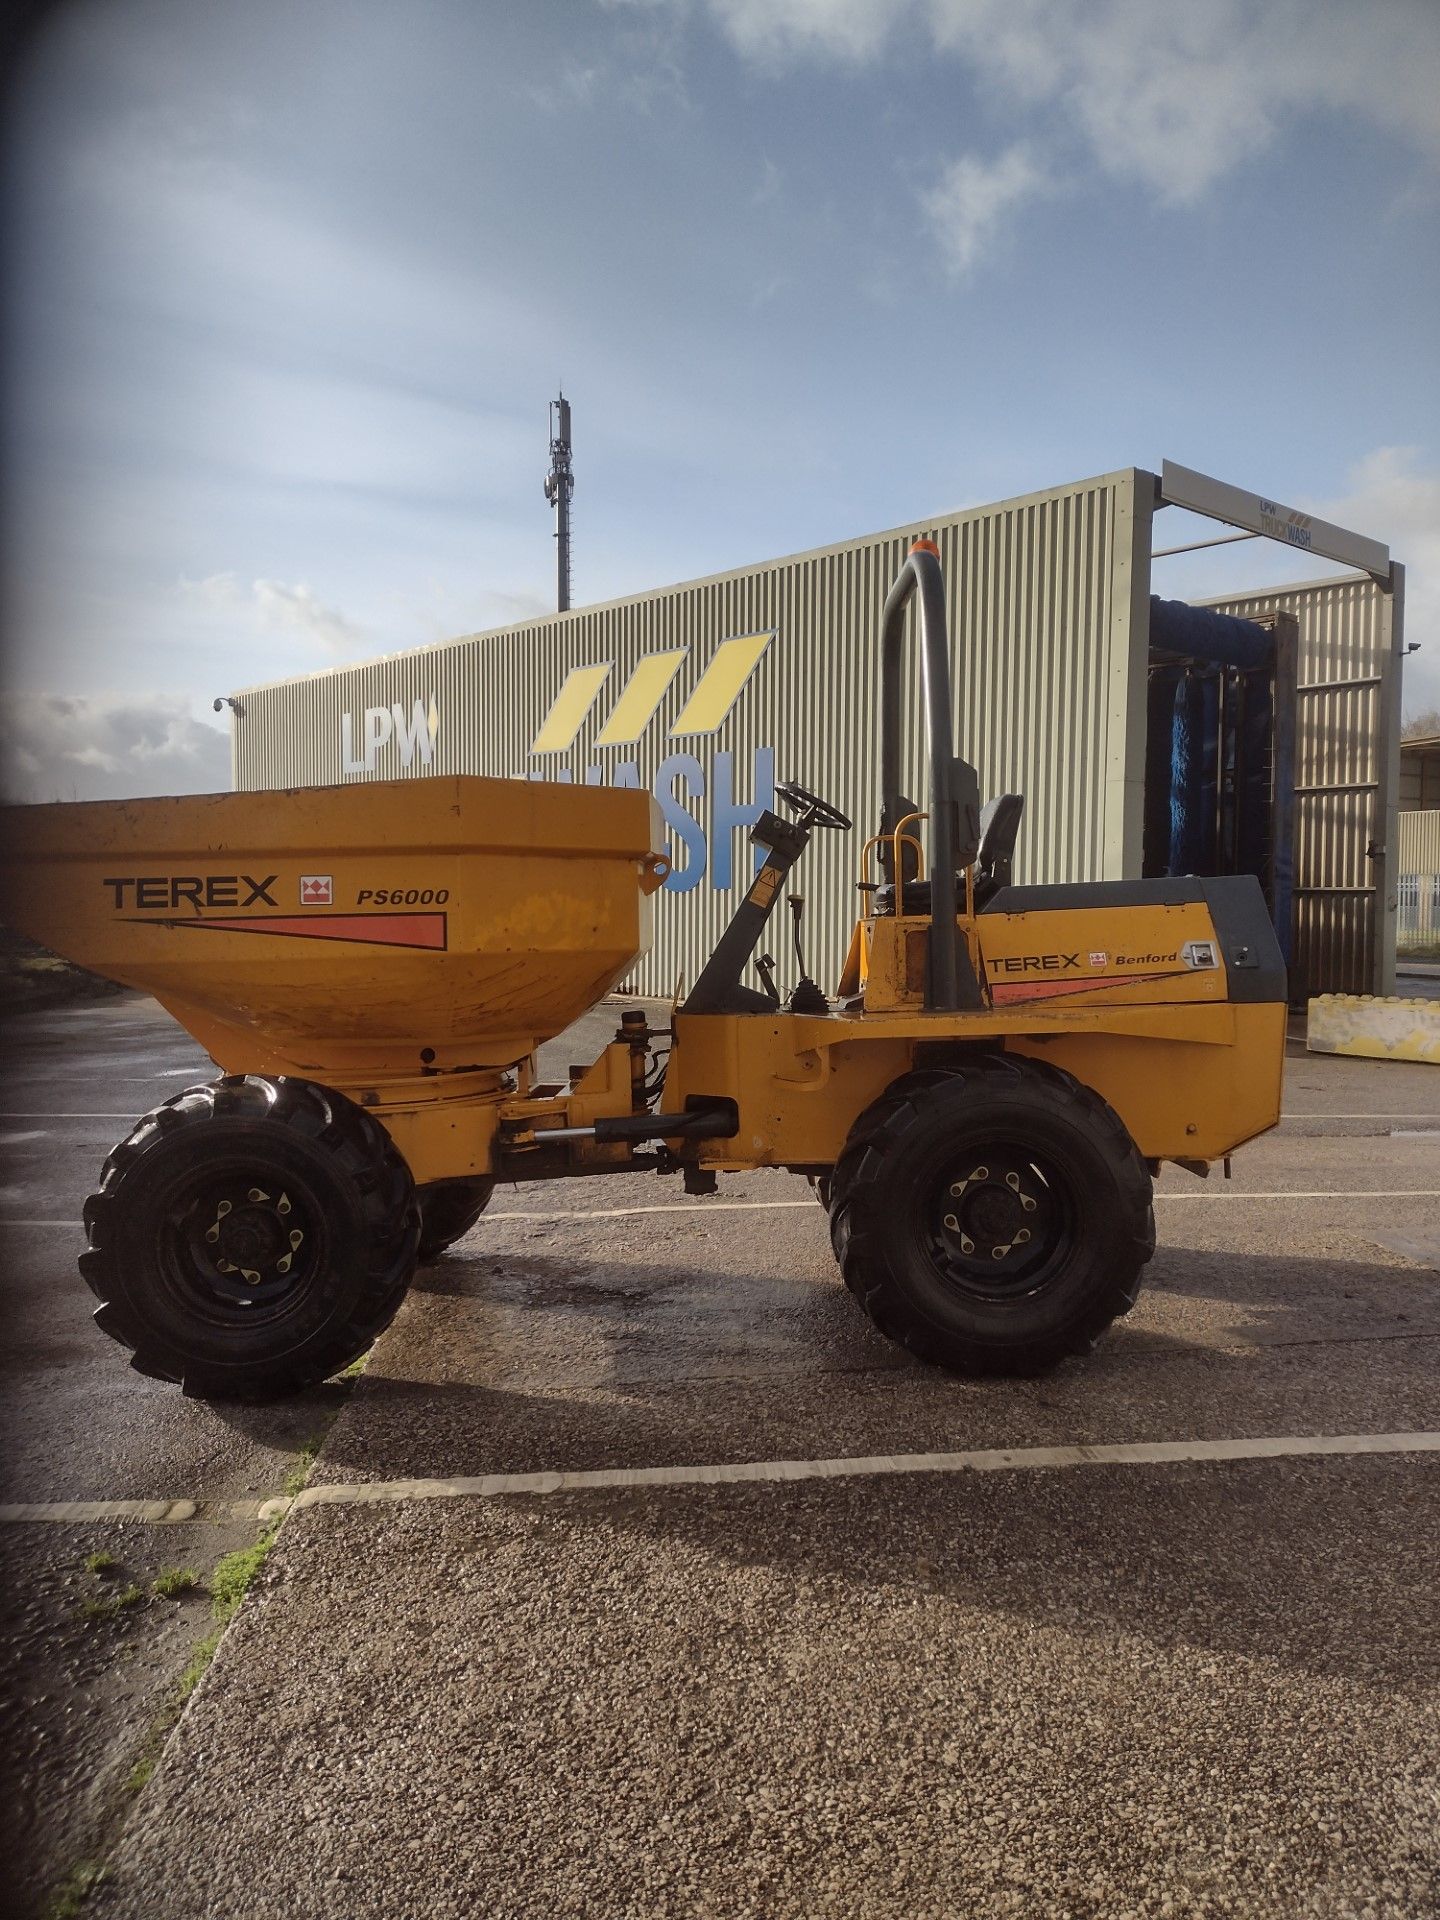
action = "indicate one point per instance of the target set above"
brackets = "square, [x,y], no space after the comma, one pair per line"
[1114,1691]
[79,1698]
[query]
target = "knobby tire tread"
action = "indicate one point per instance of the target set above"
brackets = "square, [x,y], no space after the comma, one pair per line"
[360,1148]
[859,1216]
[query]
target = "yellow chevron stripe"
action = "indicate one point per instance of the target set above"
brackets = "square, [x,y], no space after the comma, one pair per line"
[572,703]
[637,705]
[718,688]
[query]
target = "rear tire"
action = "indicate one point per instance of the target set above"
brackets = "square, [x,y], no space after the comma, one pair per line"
[251,1237]
[448,1210]
[994,1219]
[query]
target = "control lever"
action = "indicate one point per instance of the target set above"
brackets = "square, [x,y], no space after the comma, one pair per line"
[796,902]
[765,967]
[806,997]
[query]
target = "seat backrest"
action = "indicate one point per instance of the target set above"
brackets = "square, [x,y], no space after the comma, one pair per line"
[994,862]
[999,824]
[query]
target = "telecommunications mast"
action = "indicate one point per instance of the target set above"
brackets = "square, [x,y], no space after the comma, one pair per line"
[559,485]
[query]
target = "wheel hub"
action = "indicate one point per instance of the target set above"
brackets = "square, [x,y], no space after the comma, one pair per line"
[990,1211]
[254,1234]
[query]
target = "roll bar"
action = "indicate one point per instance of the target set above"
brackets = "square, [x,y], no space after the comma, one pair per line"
[954,787]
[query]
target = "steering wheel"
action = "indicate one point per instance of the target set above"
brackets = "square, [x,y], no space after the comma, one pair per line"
[816,812]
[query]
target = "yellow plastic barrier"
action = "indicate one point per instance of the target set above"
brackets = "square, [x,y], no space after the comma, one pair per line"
[1375,1029]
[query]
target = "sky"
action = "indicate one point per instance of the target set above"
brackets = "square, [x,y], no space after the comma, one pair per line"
[291,285]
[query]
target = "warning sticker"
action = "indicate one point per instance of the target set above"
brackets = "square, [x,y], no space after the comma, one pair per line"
[767,885]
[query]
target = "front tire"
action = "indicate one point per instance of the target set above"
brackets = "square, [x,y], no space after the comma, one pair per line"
[251,1237]
[994,1219]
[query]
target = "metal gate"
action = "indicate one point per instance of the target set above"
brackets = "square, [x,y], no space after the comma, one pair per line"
[1346,778]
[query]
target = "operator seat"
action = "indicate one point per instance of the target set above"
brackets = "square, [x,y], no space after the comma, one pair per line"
[994,860]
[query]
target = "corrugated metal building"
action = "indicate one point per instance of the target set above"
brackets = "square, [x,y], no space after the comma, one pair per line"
[1420,774]
[710,690]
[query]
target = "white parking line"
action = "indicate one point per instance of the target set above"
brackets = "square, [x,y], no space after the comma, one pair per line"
[1317,1193]
[762,1206]
[494,1486]
[987,1460]
[812,1205]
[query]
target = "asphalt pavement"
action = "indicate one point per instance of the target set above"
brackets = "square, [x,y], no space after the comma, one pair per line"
[81,1689]
[1175,1686]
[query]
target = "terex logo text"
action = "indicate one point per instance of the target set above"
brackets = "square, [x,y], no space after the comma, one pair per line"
[705,840]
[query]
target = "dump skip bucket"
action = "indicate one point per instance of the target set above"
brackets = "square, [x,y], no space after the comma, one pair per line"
[338,932]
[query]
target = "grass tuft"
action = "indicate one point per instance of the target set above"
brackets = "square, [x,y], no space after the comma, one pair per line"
[232,1578]
[139,1775]
[74,1890]
[112,1603]
[171,1582]
[101,1563]
[230,1581]
[204,1653]
[229,1584]
[300,1472]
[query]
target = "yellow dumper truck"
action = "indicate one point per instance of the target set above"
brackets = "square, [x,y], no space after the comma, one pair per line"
[980,1106]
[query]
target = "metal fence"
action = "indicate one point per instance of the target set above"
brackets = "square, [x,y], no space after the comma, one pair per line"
[1418,919]
[1417,932]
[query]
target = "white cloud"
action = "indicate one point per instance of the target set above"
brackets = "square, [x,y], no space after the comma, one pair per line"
[965,208]
[297,609]
[1174,97]
[441,611]
[1391,497]
[278,608]
[107,747]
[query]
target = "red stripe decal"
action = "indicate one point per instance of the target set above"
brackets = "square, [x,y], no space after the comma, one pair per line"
[427,930]
[1002,991]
